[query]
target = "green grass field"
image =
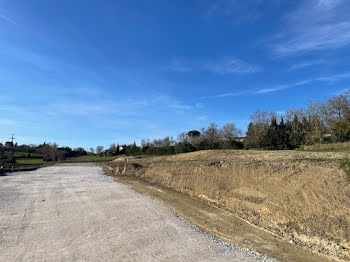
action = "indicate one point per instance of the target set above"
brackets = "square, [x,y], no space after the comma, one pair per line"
[90,158]
[29,161]
[26,155]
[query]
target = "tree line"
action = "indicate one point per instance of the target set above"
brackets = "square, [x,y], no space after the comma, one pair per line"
[211,137]
[46,151]
[319,122]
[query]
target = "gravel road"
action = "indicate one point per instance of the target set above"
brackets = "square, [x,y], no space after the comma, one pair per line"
[76,213]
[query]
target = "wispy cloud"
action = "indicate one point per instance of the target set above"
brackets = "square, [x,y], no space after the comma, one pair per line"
[169,102]
[231,66]
[224,66]
[334,78]
[7,19]
[202,118]
[130,107]
[29,57]
[262,91]
[330,79]
[316,25]
[232,94]
[199,105]
[327,4]
[305,64]
[180,65]
[282,87]
[247,10]
[80,108]
[240,11]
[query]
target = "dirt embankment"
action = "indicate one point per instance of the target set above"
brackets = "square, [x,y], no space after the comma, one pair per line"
[301,196]
[76,213]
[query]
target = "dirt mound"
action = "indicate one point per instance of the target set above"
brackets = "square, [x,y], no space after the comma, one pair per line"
[302,196]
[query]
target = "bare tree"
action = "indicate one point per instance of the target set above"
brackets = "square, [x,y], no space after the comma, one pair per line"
[145,143]
[50,152]
[112,149]
[166,142]
[99,149]
[317,117]
[92,150]
[229,132]
[261,121]
[157,142]
[291,113]
[337,111]
[183,138]
[338,107]
[212,134]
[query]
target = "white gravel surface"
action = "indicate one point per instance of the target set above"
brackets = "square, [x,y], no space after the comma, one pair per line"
[76,213]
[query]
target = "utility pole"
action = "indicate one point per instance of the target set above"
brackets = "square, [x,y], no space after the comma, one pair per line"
[12,138]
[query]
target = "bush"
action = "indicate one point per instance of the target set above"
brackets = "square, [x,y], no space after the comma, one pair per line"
[345,165]
[300,148]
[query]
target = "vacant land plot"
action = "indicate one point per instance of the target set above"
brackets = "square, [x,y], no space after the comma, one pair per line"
[335,147]
[303,197]
[76,213]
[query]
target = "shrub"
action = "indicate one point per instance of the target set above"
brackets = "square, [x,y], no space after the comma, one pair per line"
[345,165]
[300,148]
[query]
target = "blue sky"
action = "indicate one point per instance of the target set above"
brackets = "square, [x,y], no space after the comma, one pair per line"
[88,73]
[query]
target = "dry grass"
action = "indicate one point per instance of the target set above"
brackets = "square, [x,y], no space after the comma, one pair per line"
[302,196]
[336,147]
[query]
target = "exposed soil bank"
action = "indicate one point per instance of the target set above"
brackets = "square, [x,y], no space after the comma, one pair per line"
[302,197]
[77,213]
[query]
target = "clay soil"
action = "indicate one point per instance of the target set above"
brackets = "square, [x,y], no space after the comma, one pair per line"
[297,197]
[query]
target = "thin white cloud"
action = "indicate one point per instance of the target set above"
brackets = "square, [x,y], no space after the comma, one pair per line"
[305,64]
[29,57]
[180,65]
[233,94]
[330,79]
[247,10]
[334,78]
[316,25]
[169,102]
[327,4]
[7,19]
[202,118]
[199,105]
[224,66]
[80,108]
[231,66]
[282,87]
[239,11]
[263,90]
[89,107]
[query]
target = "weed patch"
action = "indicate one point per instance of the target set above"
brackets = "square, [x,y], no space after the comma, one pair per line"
[345,165]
